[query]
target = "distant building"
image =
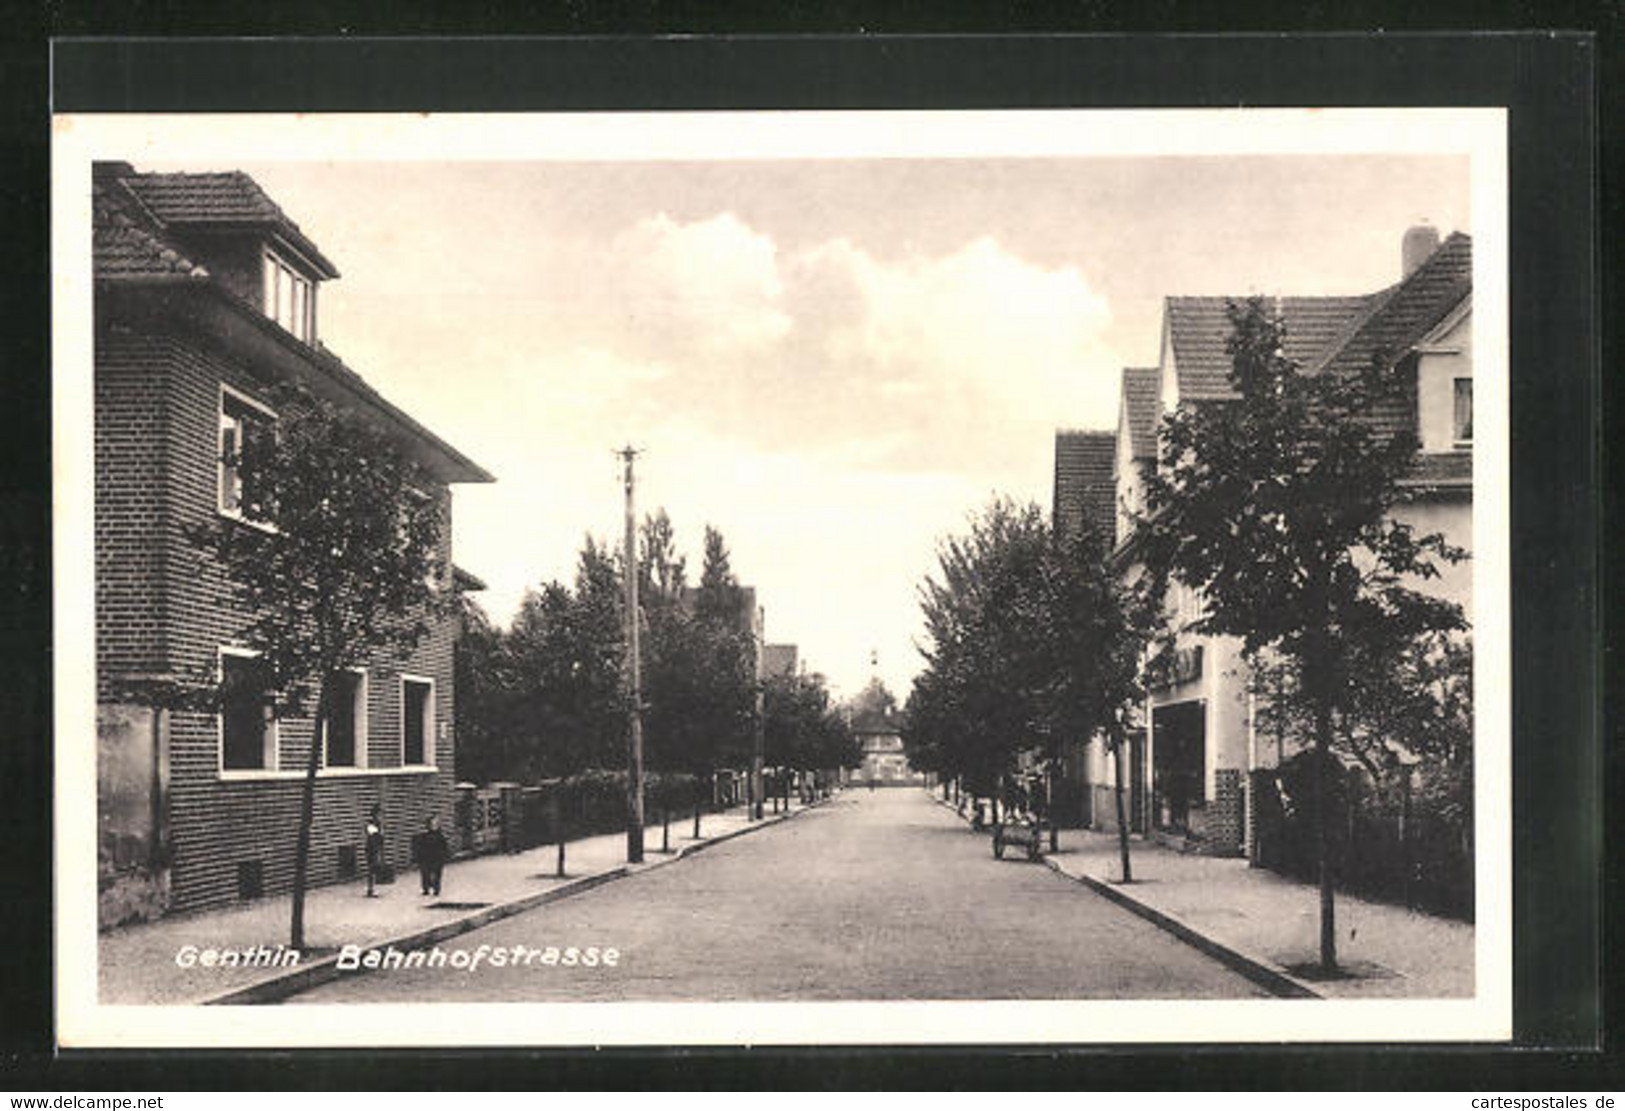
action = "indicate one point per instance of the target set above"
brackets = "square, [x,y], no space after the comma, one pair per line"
[779,660]
[884,762]
[1085,486]
[750,619]
[879,731]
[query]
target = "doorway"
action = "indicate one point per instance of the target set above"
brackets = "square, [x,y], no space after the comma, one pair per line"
[1179,760]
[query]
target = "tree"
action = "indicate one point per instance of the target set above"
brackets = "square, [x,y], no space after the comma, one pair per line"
[564,696]
[1276,506]
[697,662]
[663,570]
[1031,641]
[1111,623]
[719,597]
[720,608]
[874,704]
[484,735]
[336,560]
[802,730]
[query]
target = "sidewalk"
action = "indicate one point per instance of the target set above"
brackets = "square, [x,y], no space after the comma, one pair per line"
[138,963]
[1264,924]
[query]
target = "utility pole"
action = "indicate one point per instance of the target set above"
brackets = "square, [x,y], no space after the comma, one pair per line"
[634,681]
[758,729]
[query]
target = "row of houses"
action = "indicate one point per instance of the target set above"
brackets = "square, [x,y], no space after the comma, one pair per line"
[1190,755]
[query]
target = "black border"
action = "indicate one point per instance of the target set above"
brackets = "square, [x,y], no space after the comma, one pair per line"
[1548,81]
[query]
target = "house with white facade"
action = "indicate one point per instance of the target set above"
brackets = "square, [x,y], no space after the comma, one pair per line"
[1190,755]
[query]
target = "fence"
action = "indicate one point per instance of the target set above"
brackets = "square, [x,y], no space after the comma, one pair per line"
[509,817]
[1385,841]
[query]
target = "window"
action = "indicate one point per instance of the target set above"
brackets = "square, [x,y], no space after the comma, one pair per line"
[247,725]
[242,422]
[417,719]
[290,298]
[346,733]
[1464,411]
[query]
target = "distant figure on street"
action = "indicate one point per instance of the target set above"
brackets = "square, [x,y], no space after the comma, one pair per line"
[432,853]
[375,848]
[871,783]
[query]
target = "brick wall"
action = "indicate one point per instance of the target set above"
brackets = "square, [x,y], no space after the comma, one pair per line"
[163,606]
[132,377]
[1225,816]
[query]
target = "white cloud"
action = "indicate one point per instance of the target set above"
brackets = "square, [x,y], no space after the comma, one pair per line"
[711,286]
[981,323]
[834,412]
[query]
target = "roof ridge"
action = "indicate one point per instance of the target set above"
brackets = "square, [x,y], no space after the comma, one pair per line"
[222,198]
[123,184]
[112,217]
[1383,298]
[1379,300]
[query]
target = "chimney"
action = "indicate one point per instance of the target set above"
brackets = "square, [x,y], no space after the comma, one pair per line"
[1420,243]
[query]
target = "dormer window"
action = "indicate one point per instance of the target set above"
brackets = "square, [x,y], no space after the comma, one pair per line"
[290,298]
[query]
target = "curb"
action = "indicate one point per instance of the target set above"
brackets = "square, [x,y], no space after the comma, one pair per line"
[281,985]
[766,820]
[1255,969]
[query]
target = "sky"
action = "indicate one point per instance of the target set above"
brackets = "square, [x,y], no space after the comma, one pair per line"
[834,362]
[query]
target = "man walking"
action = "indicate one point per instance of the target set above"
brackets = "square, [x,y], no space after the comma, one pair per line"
[432,853]
[375,848]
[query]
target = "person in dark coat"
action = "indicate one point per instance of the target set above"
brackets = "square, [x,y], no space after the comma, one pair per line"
[375,847]
[432,853]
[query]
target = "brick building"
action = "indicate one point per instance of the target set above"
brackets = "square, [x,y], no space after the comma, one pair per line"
[780,661]
[205,293]
[1195,743]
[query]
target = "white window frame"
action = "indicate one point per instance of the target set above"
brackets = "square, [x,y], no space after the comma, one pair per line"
[301,311]
[244,400]
[429,721]
[1455,382]
[273,734]
[359,709]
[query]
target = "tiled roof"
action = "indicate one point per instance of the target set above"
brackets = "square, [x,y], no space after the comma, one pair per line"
[123,245]
[1399,318]
[1141,389]
[233,197]
[1085,487]
[1440,469]
[1199,327]
[230,199]
[131,243]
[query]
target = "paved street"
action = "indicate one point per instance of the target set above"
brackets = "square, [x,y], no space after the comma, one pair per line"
[881,895]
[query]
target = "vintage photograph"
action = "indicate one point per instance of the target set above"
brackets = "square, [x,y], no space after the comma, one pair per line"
[835,578]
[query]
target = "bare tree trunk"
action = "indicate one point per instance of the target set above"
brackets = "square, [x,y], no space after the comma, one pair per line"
[1323,821]
[1122,816]
[307,809]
